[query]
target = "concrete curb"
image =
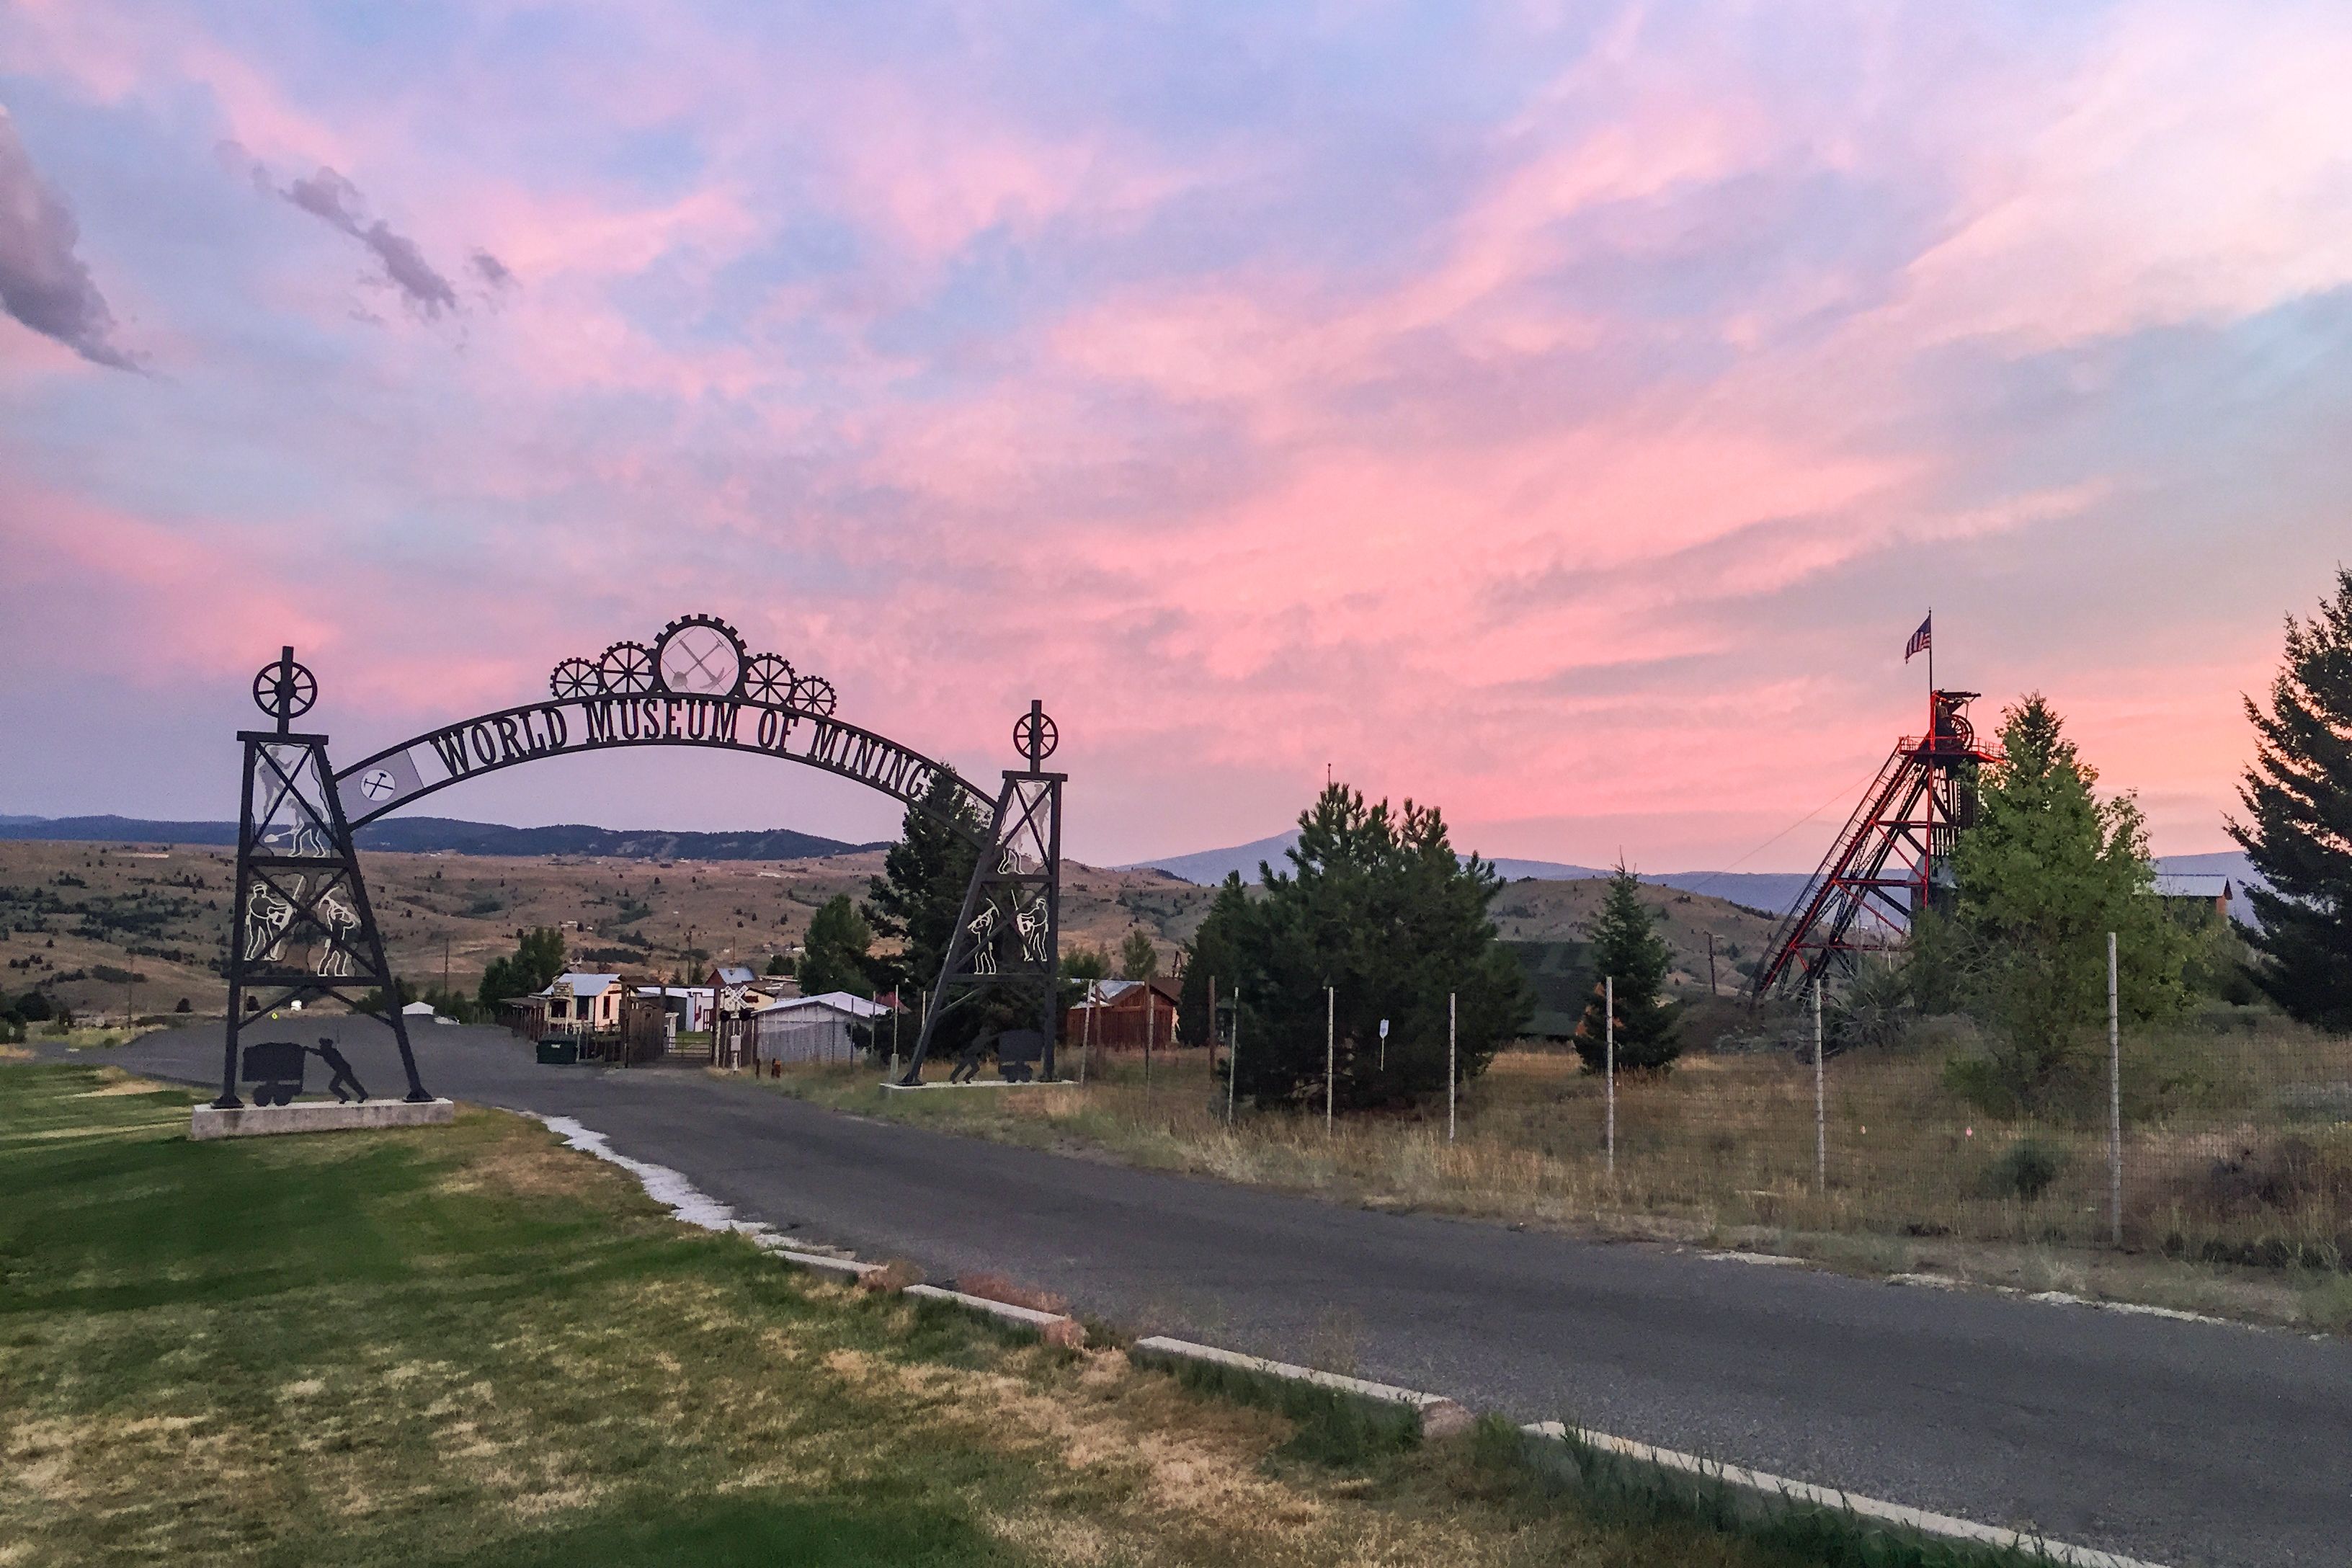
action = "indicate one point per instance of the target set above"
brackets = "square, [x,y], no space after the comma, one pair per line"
[849,1266]
[1057,1327]
[1782,1491]
[1439,1415]
[205,1121]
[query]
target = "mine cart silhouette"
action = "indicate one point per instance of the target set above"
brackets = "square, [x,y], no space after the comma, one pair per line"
[1017,1051]
[274,1067]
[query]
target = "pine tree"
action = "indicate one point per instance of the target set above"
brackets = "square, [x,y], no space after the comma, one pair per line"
[1377,907]
[1138,959]
[916,899]
[2298,796]
[538,959]
[2043,874]
[1627,950]
[834,956]
[1210,959]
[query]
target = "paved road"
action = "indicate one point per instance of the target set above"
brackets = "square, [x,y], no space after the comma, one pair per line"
[2181,1443]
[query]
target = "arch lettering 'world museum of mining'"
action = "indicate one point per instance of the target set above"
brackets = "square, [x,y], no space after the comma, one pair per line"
[303,927]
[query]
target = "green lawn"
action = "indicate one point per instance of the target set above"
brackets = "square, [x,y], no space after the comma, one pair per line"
[469,1345]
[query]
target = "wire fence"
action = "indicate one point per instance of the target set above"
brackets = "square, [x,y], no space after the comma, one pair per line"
[2224,1137]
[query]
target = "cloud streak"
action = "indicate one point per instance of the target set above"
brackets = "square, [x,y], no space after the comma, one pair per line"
[334,200]
[44,284]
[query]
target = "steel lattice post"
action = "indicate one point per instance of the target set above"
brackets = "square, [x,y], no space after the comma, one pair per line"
[296,852]
[1015,892]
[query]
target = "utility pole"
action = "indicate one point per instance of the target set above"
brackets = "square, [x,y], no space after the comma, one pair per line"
[1151,1029]
[1710,965]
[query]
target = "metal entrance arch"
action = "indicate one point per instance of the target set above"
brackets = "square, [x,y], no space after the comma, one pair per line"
[303,927]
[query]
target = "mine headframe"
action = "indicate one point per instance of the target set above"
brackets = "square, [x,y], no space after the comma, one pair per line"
[1892,861]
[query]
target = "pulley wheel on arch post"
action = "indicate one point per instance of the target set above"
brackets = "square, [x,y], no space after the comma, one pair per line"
[1034,736]
[284,690]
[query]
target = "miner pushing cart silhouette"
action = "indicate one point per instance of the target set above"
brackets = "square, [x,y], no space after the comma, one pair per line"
[274,1067]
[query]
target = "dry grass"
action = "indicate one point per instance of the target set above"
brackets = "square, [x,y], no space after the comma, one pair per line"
[2237,1154]
[997,1287]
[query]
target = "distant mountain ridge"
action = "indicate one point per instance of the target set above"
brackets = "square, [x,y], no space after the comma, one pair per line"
[449,836]
[1775,892]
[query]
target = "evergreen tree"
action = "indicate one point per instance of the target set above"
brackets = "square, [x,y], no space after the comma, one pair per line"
[1083,964]
[538,959]
[1377,906]
[916,899]
[1137,958]
[835,957]
[2043,874]
[1627,950]
[2298,796]
[1211,956]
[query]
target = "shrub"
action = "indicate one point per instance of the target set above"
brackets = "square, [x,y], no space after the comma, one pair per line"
[2025,1170]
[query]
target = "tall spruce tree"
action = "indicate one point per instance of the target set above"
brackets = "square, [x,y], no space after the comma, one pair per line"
[916,899]
[2298,797]
[1627,950]
[2043,874]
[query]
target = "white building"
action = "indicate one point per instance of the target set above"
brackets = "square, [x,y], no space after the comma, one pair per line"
[578,1003]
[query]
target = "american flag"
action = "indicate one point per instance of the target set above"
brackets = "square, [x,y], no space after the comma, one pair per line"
[1921,640]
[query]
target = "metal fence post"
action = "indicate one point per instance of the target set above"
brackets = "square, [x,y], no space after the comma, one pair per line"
[1232,1055]
[2115,1104]
[1609,1060]
[1450,1073]
[1330,1017]
[1820,1104]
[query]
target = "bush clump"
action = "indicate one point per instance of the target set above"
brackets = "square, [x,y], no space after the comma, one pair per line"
[2025,1170]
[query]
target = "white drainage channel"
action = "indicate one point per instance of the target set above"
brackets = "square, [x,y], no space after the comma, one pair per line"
[1438,1414]
[696,1208]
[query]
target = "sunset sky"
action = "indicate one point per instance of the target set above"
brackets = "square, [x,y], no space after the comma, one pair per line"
[1563,414]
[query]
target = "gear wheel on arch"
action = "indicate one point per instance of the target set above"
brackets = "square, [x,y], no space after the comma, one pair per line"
[627,668]
[700,655]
